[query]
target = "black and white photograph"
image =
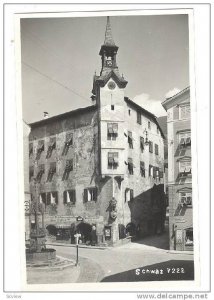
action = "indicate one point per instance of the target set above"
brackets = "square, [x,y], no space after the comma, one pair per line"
[106,115]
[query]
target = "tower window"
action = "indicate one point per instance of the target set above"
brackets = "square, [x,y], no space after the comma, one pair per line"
[129,111]
[112,160]
[149,125]
[112,107]
[112,131]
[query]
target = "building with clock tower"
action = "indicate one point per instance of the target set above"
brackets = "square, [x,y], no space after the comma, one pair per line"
[101,166]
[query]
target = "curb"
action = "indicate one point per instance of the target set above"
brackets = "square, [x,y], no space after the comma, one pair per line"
[80,246]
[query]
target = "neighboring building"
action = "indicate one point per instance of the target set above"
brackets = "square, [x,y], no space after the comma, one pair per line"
[27,197]
[101,165]
[179,170]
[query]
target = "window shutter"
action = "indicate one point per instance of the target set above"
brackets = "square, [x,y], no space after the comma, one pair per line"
[74,196]
[154,172]
[95,194]
[64,197]
[85,195]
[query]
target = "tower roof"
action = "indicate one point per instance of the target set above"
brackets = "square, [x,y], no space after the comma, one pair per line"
[109,41]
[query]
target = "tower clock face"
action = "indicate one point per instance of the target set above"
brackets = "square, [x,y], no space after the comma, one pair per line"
[109,63]
[111,85]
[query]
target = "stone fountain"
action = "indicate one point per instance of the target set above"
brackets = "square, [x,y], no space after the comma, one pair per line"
[37,253]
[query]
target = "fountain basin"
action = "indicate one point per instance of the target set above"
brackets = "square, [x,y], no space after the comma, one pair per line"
[45,255]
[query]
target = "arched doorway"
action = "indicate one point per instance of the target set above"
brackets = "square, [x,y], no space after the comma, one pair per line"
[131,229]
[52,231]
[85,230]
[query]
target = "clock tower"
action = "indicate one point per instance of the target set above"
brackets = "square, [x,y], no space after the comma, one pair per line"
[108,92]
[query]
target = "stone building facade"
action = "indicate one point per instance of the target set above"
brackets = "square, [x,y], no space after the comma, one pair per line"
[179,171]
[100,166]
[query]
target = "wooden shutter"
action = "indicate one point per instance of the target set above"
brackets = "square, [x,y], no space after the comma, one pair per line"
[85,195]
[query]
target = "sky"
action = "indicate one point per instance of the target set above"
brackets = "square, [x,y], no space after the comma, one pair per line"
[60,56]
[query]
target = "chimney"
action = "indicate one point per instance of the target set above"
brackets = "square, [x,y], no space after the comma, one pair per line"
[45,115]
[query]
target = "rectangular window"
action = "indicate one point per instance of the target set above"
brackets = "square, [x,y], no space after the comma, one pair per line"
[150,147]
[42,198]
[184,111]
[139,117]
[141,144]
[48,198]
[113,160]
[185,139]
[156,149]
[185,167]
[186,198]
[112,131]
[51,198]
[150,170]
[142,169]
[51,147]
[130,166]
[68,169]
[112,107]
[68,143]
[90,194]
[129,194]
[31,172]
[51,172]
[40,149]
[130,139]
[189,237]
[40,172]
[69,196]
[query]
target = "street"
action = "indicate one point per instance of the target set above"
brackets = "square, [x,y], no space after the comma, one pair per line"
[131,262]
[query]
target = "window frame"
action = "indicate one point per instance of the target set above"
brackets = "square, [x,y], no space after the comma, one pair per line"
[115,160]
[139,117]
[114,127]
[72,193]
[93,192]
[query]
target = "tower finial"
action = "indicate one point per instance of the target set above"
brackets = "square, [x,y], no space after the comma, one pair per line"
[109,41]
